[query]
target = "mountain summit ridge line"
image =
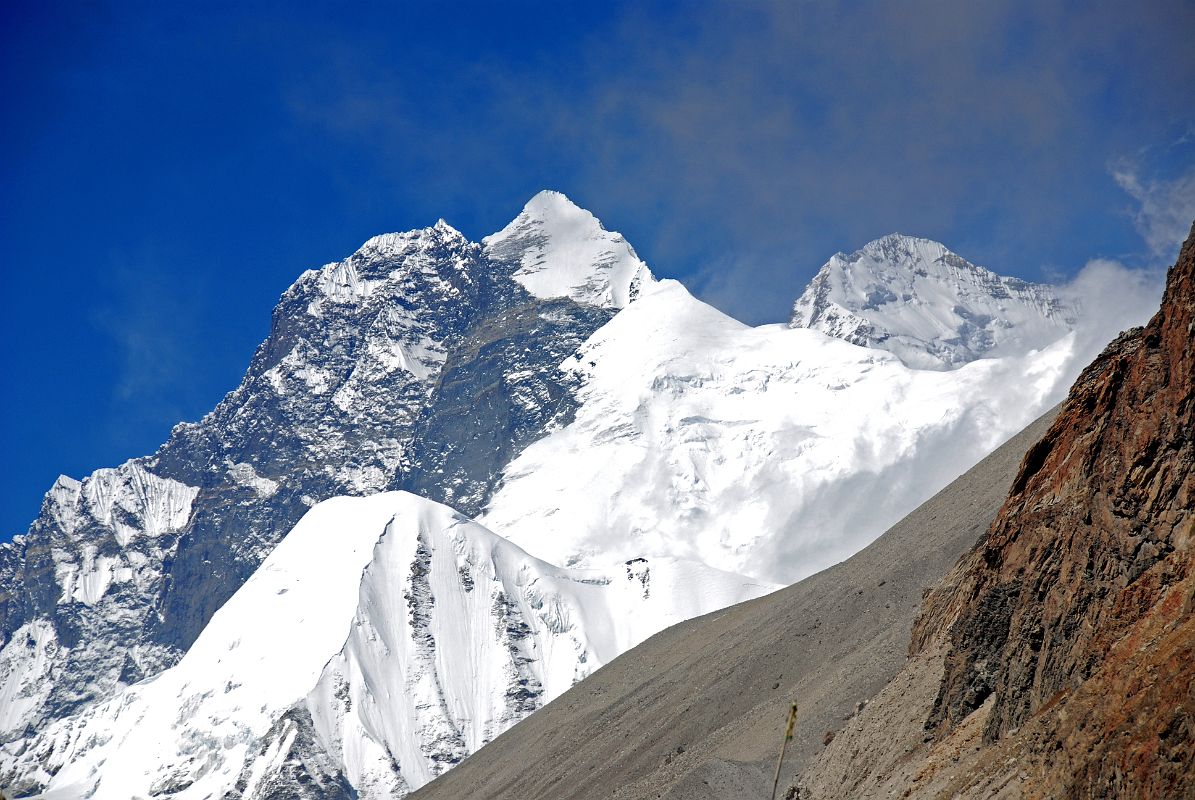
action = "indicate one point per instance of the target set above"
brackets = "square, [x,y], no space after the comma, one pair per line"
[469,373]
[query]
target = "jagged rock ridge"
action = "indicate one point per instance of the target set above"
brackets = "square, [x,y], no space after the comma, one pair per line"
[359,388]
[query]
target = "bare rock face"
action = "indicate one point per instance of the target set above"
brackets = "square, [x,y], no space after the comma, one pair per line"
[1057,658]
[1070,624]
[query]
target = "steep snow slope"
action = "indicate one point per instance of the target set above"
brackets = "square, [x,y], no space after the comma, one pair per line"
[400,634]
[932,308]
[560,250]
[769,451]
[696,712]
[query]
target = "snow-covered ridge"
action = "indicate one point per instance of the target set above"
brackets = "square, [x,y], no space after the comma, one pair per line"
[929,306]
[560,250]
[397,634]
[770,451]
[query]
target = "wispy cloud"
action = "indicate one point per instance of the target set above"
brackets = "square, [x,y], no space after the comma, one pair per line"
[1114,298]
[1165,208]
[153,319]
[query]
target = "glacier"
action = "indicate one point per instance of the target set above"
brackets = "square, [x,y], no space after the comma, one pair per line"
[771,451]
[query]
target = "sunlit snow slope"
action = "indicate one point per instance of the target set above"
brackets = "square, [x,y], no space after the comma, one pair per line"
[770,451]
[383,640]
[560,250]
[929,306]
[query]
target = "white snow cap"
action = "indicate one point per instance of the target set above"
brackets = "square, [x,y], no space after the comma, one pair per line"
[558,249]
[930,307]
[408,633]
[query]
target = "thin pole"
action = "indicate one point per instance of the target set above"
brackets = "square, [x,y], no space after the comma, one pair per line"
[788,737]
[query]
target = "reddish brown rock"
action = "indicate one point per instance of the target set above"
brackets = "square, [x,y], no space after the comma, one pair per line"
[1071,620]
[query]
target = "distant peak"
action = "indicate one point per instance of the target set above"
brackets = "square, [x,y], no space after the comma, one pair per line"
[897,237]
[555,208]
[928,305]
[547,200]
[900,249]
[555,248]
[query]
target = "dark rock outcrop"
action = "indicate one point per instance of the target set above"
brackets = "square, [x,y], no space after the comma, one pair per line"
[1081,593]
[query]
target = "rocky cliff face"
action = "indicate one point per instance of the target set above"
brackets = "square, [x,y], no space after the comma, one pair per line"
[1092,548]
[370,365]
[1057,658]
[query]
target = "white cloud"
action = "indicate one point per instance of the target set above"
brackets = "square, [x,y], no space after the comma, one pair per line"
[1166,208]
[1113,298]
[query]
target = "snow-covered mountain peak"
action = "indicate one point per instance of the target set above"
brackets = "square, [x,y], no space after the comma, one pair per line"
[557,249]
[383,640]
[928,305]
[902,249]
[399,243]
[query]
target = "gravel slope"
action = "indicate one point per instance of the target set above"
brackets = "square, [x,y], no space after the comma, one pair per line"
[698,710]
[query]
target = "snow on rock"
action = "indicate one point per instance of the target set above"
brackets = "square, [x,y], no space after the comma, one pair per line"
[129,503]
[25,673]
[560,250]
[100,544]
[245,475]
[932,308]
[770,451]
[357,389]
[394,634]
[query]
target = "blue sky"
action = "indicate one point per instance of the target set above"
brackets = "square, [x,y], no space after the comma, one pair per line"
[169,172]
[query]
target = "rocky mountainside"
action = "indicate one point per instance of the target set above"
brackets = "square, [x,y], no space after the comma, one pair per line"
[929,306]
[542,381]
[1060,652]
[359,388]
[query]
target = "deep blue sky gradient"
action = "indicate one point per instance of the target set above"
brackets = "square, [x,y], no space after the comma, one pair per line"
[167,172]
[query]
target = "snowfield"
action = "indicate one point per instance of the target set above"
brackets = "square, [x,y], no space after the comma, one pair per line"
[398,632]
[771,451]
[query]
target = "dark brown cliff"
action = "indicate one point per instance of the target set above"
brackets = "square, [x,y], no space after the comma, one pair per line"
[1077,604]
